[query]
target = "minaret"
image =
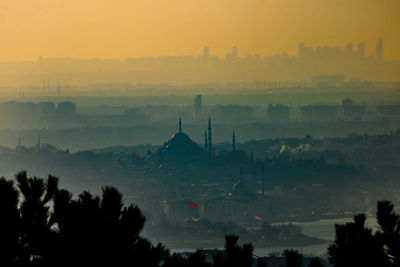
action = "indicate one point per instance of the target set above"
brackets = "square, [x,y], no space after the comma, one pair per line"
[19,141]
[180,125]
[233,141]
[209,135]
[205,139]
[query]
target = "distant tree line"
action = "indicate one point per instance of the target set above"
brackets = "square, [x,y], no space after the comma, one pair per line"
[42,225]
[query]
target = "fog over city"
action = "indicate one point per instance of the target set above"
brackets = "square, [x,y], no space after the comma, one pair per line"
[185,133]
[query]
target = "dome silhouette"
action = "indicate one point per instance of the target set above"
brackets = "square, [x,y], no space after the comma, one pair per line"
[241,192]
[178,149]
[180,144]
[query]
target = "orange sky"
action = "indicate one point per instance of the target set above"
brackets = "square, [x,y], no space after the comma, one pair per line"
[132,28]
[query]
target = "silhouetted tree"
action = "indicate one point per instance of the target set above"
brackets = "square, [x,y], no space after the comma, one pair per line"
[9,222]
[235,256]
[218,259]
[355,245]
[198,259]
[41,225]
[293,258]
[36,234]
[315,263]
[145,254]
[389,231]
[175,260]
[232,250]
[261,263]
[94,230]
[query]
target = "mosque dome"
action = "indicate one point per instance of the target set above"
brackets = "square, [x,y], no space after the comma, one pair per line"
[179,148]
[180,143]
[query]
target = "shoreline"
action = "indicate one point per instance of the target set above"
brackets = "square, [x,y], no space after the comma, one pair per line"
[212,244]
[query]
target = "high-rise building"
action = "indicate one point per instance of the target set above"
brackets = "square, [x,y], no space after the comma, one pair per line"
[301,49]
[379,50]
[234,52]
[348,51]
[206,51]
[361,50]
[305,51]
[197,107]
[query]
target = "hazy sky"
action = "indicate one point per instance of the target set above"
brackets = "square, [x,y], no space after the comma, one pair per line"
[132,28]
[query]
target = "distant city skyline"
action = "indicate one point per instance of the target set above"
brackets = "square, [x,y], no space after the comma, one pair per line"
[303,50]
[132,29]
[348,61]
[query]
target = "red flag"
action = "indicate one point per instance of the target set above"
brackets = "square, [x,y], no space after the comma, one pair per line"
[258,217]
[192,204]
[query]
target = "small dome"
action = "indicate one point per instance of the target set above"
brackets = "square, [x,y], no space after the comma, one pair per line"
[241,192]
[237,186]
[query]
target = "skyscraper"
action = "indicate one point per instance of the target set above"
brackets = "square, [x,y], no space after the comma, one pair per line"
[361,50]
[306,51]
[301,49]
[379,50]
[348,51]
[232,55]
[234,52]
[206,51]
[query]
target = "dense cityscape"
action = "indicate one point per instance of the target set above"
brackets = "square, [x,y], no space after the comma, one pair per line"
[175,133]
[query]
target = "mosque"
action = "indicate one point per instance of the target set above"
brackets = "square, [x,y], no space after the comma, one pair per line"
[234,203]
[180,148]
